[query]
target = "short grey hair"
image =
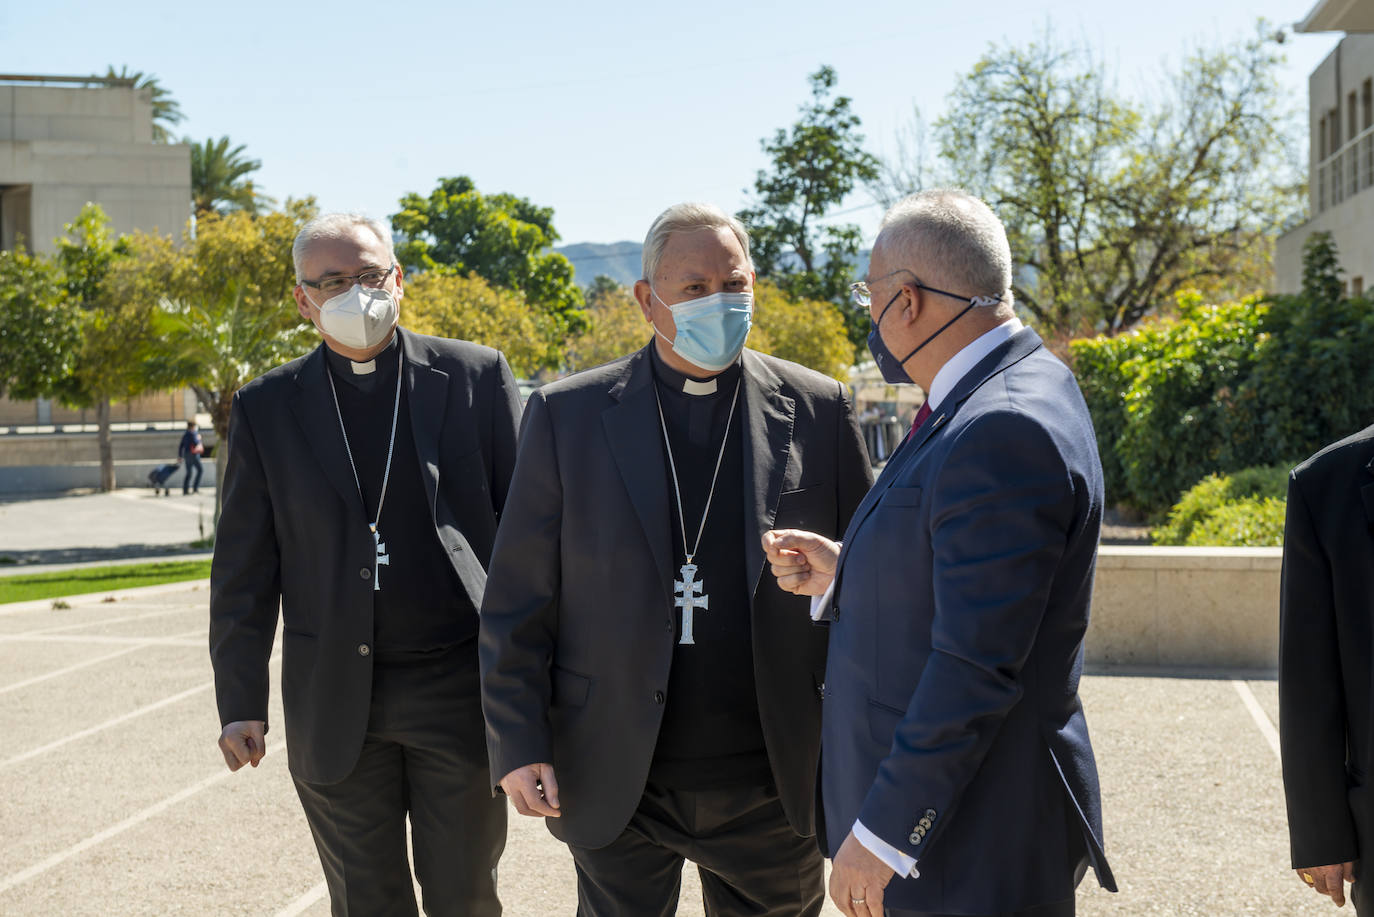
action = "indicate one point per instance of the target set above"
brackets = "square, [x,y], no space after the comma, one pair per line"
[956,238]
[336,226]
[688,217]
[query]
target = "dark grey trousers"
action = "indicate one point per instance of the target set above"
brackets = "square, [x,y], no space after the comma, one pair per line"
[750,860]
[424,756]
[1057,909]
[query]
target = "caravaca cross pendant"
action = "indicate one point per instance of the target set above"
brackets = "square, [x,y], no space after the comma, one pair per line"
[382,558]
[690,599]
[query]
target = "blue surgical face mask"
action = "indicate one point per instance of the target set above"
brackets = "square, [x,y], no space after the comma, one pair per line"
[711,330]
[893,369]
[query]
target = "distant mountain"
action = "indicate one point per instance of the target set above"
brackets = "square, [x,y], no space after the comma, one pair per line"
[619,261]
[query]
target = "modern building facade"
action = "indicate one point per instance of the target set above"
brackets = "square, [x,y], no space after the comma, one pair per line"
[1341,150]
[68,140]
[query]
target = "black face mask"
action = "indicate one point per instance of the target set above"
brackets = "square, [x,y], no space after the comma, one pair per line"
[888,364]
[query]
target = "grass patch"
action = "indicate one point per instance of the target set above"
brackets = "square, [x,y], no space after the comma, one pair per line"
[21,588]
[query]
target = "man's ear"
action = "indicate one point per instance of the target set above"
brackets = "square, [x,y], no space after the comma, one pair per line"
[643,296]
[302,304]
[911,311]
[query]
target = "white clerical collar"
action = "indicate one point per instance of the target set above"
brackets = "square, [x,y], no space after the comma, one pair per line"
[973,353]
[363,369]
[691,386]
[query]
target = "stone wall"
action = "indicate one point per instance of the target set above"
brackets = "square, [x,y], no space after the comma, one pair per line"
[1171,608]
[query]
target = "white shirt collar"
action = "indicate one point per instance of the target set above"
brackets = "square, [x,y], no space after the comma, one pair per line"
[973,353]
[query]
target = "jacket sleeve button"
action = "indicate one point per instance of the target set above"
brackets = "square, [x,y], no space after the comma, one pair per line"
[915,838]
[658,697]
[365,573]
[364,649]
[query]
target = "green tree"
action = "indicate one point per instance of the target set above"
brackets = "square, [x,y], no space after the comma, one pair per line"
[166,109]
[473,309]
[1321,270]
[39,331]
[504,239]
[807,331]
[219,179]
[615,326]
[1113,206]
[115,324]
[815,166]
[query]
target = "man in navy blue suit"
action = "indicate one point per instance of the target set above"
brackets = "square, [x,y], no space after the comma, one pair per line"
[954,751]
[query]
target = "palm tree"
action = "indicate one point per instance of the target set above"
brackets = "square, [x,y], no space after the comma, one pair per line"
[219,179]
[166,110]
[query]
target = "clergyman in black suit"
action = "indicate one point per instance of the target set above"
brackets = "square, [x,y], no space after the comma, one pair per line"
[362,490]
[646,686]
[1326,696]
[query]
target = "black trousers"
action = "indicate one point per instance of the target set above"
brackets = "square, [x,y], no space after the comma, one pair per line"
[424,756]
[1057,909]
[750,860]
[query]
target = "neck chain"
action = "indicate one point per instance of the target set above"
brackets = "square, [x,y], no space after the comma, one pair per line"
[689,586]
[381,556]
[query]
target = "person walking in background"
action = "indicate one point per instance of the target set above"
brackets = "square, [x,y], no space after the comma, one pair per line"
[1326,699]
[957,776]
[191,449]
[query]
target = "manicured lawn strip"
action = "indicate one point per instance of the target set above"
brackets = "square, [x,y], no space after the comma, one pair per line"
[21,588]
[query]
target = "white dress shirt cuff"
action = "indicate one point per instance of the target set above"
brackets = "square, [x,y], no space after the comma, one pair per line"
[903,865]
[820,603]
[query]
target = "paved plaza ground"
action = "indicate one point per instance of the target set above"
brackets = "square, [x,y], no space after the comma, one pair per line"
[116,801]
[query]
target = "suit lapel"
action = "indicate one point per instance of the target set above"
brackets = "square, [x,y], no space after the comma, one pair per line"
[767,417]
[1019,346]
[634,434]
[314,408]
[427,396]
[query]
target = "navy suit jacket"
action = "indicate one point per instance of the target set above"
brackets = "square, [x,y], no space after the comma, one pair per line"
[952,724]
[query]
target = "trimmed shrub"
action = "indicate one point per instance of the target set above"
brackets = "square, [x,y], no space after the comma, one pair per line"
[1243,508]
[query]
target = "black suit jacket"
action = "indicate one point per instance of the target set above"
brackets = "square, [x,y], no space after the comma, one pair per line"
[1326,653]
[293,533]
[577,624]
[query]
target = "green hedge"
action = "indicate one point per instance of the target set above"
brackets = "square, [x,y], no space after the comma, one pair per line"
[1244,508]
[1225,387]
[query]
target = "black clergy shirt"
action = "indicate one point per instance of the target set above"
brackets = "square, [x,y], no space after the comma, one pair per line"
[421,607]
[710,736]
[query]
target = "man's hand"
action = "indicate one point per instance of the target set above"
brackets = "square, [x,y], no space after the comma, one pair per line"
[1328,880]
[857,880]
[533,789]
[803,562]
[242,743]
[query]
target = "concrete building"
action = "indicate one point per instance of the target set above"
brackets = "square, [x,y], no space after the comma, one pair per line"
[1341,150]
[68,140]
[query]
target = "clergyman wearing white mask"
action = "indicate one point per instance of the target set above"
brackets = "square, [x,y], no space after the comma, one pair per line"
[647,689]
[362,487]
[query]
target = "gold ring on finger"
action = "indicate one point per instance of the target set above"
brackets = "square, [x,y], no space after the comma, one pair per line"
[1307,877]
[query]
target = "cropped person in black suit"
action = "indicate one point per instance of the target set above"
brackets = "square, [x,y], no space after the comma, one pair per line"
[1326,698]
[362,489]
[646,687]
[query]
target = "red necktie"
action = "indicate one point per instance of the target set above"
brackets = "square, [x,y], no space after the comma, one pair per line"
[921,416]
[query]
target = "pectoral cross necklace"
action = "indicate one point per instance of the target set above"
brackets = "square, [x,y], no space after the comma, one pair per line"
[692,595]
[381,558]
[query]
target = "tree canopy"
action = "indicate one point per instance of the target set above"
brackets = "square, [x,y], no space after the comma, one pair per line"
[1113,206]
[506,240]
[815,165]
[166,109]
[220,180]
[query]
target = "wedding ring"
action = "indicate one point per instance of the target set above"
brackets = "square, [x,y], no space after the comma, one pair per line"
[1307,877]
[856,900]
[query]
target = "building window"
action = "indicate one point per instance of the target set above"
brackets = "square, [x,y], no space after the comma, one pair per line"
[1321,139]
[1367,103]
[1356,287]
[1333,120]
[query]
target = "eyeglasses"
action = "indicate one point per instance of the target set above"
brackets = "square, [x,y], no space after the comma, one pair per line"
[863,297]
[372,278]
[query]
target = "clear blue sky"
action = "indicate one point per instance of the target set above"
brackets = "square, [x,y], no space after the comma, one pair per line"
[607,112]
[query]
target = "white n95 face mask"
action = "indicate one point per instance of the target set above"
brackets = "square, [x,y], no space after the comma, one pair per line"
[359,317]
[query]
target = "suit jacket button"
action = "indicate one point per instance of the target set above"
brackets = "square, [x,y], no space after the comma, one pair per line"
[658,697]
[930,814]
[915,838]
[365,573]
[924,823]
[364,649]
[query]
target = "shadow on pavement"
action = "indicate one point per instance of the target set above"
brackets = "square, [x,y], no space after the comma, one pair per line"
[15,560]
